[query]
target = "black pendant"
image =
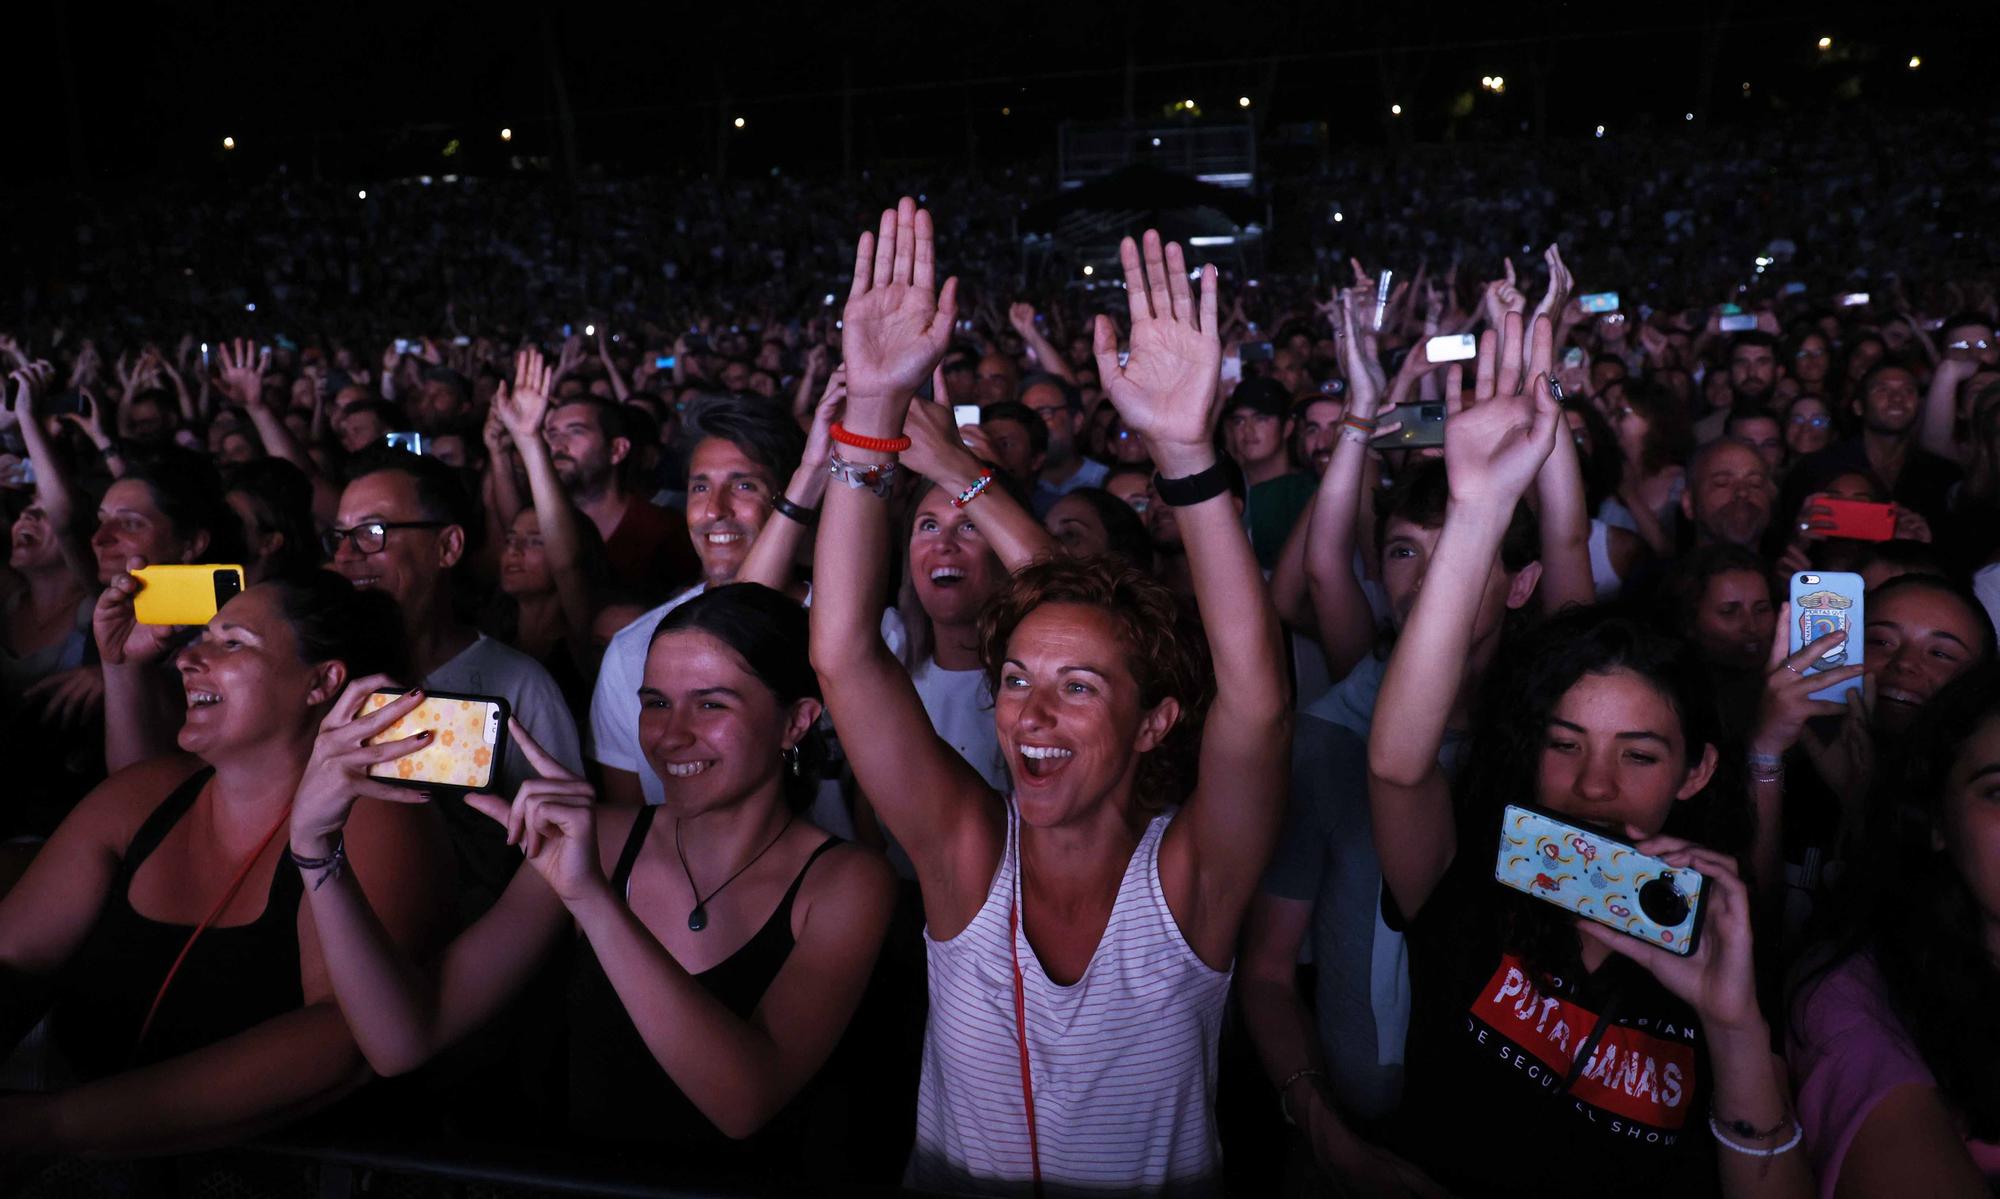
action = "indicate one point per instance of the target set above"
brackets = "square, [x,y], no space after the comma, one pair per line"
[698,919]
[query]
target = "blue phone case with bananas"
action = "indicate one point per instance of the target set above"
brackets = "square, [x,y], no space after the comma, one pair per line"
[1600,878]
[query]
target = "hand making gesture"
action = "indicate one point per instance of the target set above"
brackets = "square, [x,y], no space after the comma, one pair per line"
[1166,389]
[897,321]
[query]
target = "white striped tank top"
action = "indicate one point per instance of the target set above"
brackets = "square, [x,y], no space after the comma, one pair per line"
[1123,1061]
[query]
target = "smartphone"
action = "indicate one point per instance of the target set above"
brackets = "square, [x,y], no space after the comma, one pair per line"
[1601,878]
[461,340]
[470,738]
[1823,603]
[1861,520]
[1382,296]
[663,362]
[1854,299]
[413,442]
[1255,351]
[1599,302]
[188,595]
[1573,357]
[1741,322]
[18,473]
[402,345]
[1732,309]
[964,414]
[1423,426]
[1454,347]
[1793,288]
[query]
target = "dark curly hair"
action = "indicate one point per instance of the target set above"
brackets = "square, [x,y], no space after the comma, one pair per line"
[1165,651]
[769,631]
[1503,762]
[1915,914]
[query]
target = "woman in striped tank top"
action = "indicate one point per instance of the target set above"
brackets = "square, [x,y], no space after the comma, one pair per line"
[1080,931]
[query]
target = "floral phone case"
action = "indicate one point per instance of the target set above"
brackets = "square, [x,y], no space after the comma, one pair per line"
[471,735]
[1600,878]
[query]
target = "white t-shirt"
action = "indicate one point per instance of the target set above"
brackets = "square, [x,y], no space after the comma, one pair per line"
[614,705]
[961,710]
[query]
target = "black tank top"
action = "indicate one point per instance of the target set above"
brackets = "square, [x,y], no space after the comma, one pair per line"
[618,1093]
[234,978]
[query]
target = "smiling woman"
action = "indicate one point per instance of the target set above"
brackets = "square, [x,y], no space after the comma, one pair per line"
[159,926]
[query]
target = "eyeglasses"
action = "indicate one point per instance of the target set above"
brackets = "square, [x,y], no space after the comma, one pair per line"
[1974,344]
[1817,422]
[369,538]
[1810,354]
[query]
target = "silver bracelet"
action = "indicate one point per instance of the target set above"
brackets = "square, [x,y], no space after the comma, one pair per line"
[1715,1130]
[877,477]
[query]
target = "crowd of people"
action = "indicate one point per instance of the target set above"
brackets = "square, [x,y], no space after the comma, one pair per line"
[999,747]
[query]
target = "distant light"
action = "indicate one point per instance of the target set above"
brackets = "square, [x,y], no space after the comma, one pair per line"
[738,122]
[506,135]
[229,143]
[1339,217]
[1915,62]
[424,179]
[1242,101]
[590,330]
[1395,110]
[1600,131]
[828,301]
[1826,43]
[1746,87]
[1088,269]
[362,194]
[1006,111]
[1690,116]
[1493,83]
[1187,104]
[1221,240]
[249,308]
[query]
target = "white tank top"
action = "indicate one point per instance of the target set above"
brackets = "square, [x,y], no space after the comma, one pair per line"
[1123,1061]
[1603,575]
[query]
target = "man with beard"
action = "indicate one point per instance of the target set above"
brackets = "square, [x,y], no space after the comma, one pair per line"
[1315,427]
[1753,380]
[1729,494]
[647,545]
[1889,404]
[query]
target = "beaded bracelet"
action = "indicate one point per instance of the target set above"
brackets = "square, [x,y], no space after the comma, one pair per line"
[1285,1091]
[972,493]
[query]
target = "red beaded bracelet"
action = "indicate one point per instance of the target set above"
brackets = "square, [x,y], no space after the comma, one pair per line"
[879,445]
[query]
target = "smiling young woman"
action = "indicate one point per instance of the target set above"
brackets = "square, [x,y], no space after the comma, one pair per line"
[1081,930]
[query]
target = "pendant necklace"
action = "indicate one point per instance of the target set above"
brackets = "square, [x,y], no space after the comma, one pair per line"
[698,918]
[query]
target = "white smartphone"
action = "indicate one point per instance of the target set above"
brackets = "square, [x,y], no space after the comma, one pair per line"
[1854,299]
[964,414]
[1742,322]
[1453,347]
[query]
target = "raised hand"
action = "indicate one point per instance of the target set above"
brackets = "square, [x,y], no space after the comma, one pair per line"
[898,322]
[937,448]
[1787,703]
[1166,390]
[1561,283]
[337,773]
[89,420]
[553,820]
[1494,447]
[1021,315]
[243,367]
[1502,298]
[523,406]
[819,436]
[121,639]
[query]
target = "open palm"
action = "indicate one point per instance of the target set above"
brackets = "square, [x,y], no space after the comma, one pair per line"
[897,322]
[1166,389]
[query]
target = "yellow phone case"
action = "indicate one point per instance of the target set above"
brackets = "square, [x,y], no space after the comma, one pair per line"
[185,595]
[471,736]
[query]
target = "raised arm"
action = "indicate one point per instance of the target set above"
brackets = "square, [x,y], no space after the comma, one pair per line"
[142,703]
[1166,392]
[243,377]
[1493,449]
[1937,429]
[55,491]
[1022,317]
[1561,512]
[521,408]
[936,806]
[619,390]
[774,555]
[937,453]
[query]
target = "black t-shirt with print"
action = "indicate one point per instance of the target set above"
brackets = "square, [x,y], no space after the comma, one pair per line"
[1494,1103]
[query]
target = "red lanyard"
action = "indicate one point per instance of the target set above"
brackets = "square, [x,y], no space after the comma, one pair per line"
[235,885]
[1021,1037]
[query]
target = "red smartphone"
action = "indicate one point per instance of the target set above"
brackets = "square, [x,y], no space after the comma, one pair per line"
[1859,520]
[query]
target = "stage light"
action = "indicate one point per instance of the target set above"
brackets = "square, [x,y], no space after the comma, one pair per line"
[1187,104]
[249,308]
[1156,141]
[362,194]
[1006,111]
[506,135]
[1339,217]
[1600,131]
[1242,101]
[1915,62]
[1395,110]
[1088,269]
[1688,116]
[590,330]
[1826,43]
[229,143]
[738,122]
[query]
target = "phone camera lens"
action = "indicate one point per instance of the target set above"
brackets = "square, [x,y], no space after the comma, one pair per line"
[1662,903]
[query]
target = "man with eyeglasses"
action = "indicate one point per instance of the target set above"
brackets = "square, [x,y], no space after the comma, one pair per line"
[402,530]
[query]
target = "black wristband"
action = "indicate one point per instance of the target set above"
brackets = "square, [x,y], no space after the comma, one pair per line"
[809,517]
[1193,489]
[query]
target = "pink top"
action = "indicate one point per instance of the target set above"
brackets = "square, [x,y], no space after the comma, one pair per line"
[1848,1051]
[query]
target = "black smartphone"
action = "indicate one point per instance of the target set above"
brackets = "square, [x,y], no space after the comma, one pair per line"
[1423,426]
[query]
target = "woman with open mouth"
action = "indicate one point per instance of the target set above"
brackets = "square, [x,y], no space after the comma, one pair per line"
[1081,933]
[186,985]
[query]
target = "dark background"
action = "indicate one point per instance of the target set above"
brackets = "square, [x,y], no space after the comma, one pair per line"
[372,90]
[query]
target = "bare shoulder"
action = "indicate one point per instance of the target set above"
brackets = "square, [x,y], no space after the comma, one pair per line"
[115,808]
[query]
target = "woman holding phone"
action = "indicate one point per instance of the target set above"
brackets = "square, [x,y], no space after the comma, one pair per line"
[1529,1036]
[186,983]
[725,940]
[1081,931]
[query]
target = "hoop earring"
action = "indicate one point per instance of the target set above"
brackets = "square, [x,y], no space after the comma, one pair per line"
[791,756]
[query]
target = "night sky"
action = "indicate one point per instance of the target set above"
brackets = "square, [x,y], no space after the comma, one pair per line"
[374,90]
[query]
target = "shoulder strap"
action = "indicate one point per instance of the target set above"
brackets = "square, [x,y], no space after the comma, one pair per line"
[621,875]
[791,893]
[163,818]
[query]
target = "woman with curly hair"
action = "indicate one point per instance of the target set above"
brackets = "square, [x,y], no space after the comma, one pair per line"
[1081,930]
